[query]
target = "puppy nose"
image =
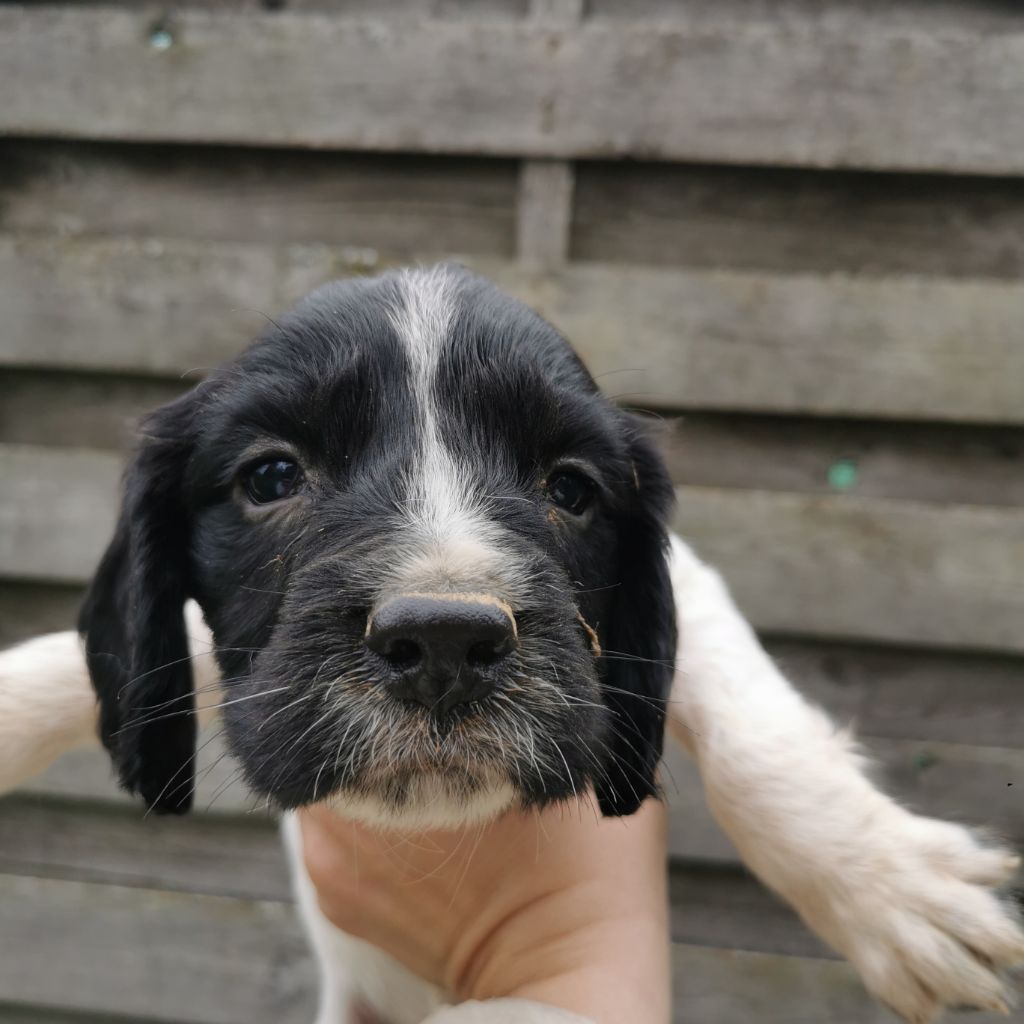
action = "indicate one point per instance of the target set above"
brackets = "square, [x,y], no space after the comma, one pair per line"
[439,646]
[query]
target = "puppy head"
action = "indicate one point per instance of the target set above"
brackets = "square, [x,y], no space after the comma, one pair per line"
[432,556]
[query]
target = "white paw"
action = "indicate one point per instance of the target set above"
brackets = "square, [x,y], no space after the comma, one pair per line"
[917,914]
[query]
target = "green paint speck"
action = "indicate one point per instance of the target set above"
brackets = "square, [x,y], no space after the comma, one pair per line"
[842,475]
[160,38]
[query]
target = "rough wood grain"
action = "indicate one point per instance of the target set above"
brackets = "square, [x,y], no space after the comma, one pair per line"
[861,568]
[902,347]
[14,1014]
[58,513]
[918,462]
[78,410]
[735,987]
[714,905]
[975,785]
[203,853]
[830,566]
[624,212]
[746,89]
[401,205]
[544,212]
[86,775]
[169,956]
[978,785]
[94,947]
[28,609]
[800,221]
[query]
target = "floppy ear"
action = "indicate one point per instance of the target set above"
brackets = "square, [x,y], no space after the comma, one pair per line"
[134,627]
[640,636]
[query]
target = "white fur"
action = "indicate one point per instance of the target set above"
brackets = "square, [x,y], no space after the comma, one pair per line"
[452,542]
[349,968]
[907,899]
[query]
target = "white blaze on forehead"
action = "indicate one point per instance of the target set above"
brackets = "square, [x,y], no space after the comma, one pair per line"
[440,501]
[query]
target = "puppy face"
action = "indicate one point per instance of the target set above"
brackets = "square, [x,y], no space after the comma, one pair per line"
[431,554]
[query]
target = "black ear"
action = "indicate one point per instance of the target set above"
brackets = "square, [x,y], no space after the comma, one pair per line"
[134,627]
[640,636]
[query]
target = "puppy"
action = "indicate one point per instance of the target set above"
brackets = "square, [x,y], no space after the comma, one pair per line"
[436,567]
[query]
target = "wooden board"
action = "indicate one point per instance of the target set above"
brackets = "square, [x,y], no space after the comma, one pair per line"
[977,785]
[402,205]
[712,904]
[926,462]
[919,462]
[169,956]
[746,88]
[837,345]
[204,853]
[86,775]
[78,410]
[12,1014]
[799,221]
[58,513]
[833,566]
[28,609]
[864,568]
[623,212]
[174,956]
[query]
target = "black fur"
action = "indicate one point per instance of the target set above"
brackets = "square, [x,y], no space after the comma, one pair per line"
[286,588]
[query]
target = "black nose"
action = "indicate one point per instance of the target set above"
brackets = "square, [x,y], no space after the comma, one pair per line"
[439,647]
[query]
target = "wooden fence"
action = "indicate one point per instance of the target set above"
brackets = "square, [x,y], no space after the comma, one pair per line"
[794,228]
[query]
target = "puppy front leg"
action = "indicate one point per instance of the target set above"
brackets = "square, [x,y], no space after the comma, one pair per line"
[908,900]
[47,703]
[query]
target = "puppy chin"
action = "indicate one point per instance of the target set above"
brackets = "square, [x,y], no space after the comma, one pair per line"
[428,802]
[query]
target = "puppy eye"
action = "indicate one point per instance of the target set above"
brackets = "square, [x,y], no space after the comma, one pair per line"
[571,491]
[272,480]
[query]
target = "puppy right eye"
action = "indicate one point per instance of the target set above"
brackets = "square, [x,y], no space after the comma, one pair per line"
[272,480]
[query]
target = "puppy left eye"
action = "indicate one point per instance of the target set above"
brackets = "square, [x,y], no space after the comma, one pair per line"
[272,480]
[570,490]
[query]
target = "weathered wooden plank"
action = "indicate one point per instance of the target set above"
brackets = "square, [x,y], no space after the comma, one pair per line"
[403,206]
[59,512]
[833,566]
[976,785]
[735,987]
[110,950]
[860,568]
[798,221]
[86,775]
[624,212]
[544,212]
[22,1014]
[162,955]
[711,904]
[78,410]
[745,89]
[204,853]
[919,462]
[28,609]
[925,695]
[836,345]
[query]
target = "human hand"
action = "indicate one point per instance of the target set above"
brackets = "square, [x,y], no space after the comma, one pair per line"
[557,906]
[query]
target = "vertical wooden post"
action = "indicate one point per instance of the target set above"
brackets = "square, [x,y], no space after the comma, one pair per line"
[544,202]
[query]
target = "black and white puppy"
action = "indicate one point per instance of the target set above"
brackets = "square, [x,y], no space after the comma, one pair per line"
[432,554]
[435,564]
